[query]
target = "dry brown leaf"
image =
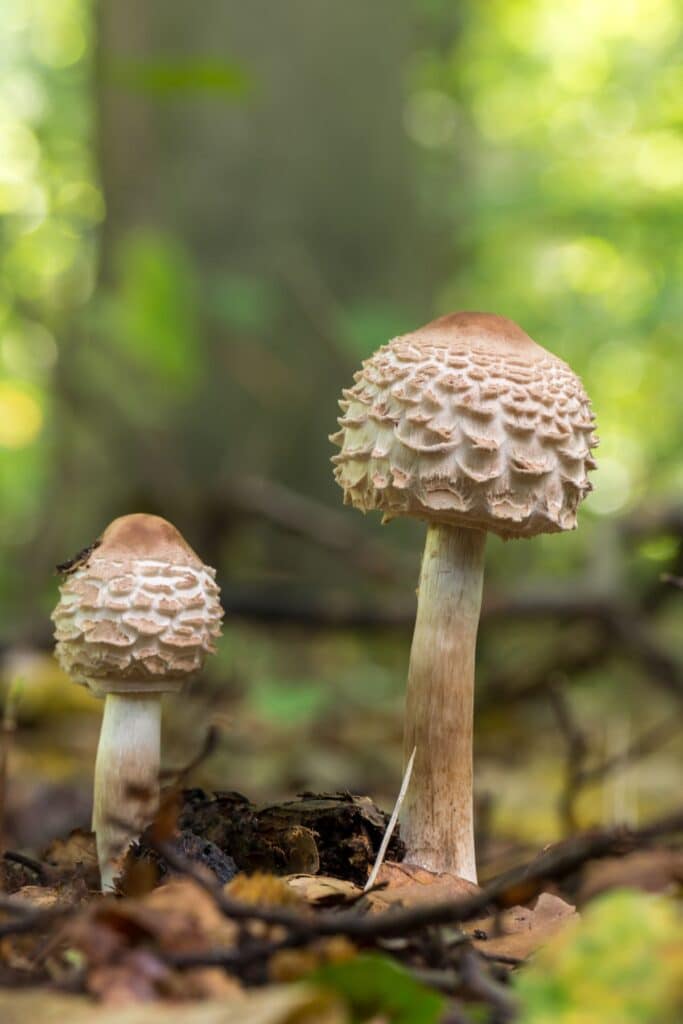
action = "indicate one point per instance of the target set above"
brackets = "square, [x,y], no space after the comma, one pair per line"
[179,916]
[18,951]
[294,964]
[519,931]
[140,977]
[210,983]
[409,885]
[183,896]
[76,853]
[277,1004]
[42,896]
[262,889]
[321,890]
[650,870]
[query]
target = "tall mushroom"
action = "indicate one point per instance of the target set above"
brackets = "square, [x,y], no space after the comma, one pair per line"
[470,425]
[137,615]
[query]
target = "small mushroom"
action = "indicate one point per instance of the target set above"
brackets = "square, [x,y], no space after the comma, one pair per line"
[470,425]
[137,615]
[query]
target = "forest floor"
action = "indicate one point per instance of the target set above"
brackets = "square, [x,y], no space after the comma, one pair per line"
[255,910]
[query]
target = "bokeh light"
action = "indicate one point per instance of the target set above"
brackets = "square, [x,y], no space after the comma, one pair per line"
[21,417]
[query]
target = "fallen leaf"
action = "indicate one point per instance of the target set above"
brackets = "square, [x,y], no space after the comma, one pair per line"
[409,885]
[41,896]
[141,977]
[18,951]
[519,931]
[179,917]
[138,977]
[277,1004]
[323,891]
[262,889]
[76,853]
[183,896]
[295,964]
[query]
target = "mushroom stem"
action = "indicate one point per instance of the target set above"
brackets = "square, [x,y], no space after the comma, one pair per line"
[438,816]
[126,777]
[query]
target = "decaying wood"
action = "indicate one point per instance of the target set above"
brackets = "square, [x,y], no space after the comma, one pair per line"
[336,834]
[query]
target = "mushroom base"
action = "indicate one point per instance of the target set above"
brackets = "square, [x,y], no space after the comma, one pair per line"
[437,821]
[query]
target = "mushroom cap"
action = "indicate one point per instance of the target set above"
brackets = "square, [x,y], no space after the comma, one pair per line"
[467,421]
[139,612]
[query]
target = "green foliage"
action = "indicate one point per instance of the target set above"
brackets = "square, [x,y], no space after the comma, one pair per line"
[242,302]
[153,313]
[362,323]
[374,985]
[49,207]
[173,79]
[565,117]
[620,965]
[285,700]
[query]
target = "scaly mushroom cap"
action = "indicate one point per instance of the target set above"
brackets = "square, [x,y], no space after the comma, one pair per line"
[139,612]
[470,422]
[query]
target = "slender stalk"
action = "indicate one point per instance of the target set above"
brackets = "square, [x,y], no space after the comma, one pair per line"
[438,812]
[126,776]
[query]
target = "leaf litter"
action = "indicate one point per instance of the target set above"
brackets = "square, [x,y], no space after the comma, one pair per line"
[228,911]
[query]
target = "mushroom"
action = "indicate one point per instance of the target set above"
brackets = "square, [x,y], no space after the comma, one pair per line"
[471,426]
[137,615]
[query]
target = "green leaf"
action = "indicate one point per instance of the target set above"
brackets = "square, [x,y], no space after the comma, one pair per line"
[620,965]
[375,985]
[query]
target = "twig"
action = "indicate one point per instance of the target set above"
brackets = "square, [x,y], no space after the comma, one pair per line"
[518,884]
[623,630]
[576,746]
[208,747]
[648,742]
[28,918]
[486,988]
[501,958]
[305,517]
[34,922]
[44,872]
[12,905]
[386,839]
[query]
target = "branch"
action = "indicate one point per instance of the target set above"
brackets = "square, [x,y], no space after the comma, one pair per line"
[305,517]
[521,883]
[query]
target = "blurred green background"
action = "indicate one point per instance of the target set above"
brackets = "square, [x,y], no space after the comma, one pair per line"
[209,215]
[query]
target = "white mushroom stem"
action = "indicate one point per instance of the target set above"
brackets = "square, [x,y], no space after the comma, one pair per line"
[438,812]
[126,777]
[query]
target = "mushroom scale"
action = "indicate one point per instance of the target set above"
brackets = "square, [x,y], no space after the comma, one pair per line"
[136,620]
[467,421]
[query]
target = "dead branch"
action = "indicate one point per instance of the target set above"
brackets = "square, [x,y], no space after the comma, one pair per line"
[30,919]
[486,988]
[647,742]
[576,746]
[519,884]
[298,514]
[43,871]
